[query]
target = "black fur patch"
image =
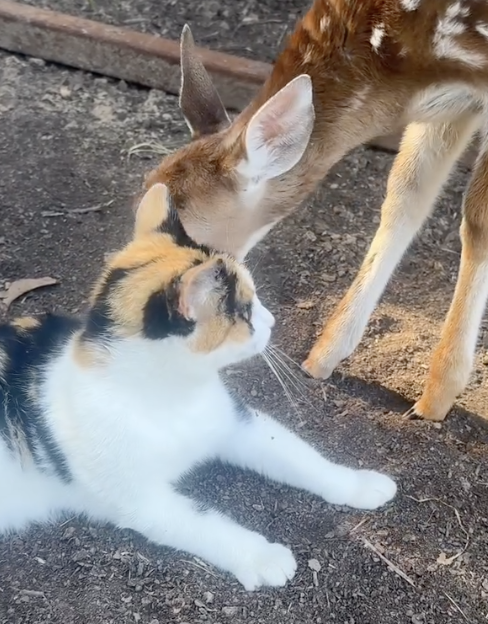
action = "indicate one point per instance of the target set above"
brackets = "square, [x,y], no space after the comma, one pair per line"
[174,227]
[28,352]
[233,308]
[99,320]
[162,317]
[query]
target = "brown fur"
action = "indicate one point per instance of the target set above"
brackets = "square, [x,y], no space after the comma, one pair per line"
[361,90]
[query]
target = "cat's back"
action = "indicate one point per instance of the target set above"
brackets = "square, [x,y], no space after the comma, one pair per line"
[27,346]
[28,343]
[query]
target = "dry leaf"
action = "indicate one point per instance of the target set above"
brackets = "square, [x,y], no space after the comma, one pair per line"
[21,287]
[305,305]
[444,560]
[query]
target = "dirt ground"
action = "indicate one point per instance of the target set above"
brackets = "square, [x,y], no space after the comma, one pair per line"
[73,148]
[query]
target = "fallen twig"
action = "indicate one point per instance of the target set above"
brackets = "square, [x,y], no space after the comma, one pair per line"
[359,524]
[90,208]
[389,563]
[76,211]
[457,607]
[200,567]
[149,147]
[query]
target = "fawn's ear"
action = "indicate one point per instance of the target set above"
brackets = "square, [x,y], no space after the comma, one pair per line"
[199,101]
[153,210]
[278,133]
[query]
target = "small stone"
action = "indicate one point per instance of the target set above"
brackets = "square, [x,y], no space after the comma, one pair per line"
[310,236]
[327,277]
[65,92]
[230,611]
[209,597]
[70,531]
[314,565]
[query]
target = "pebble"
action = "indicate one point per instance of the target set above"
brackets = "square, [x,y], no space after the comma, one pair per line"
[37,61]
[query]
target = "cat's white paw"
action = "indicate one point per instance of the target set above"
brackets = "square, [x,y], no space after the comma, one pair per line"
[372,490]
[266,564]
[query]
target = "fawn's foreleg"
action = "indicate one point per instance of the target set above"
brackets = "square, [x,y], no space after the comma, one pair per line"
[427,154]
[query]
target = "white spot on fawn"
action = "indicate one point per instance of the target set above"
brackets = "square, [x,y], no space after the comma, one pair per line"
[324,23]
[410,5]
[457,10]
[445,44]
[482,29]
[449,49]
[359,99]
[377,36]
[308,56]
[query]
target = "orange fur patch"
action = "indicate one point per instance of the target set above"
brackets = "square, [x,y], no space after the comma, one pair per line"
[88,354]
[25,323]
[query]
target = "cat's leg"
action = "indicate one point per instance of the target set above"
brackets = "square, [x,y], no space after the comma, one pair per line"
[261,444]
[171,519]
[427,154]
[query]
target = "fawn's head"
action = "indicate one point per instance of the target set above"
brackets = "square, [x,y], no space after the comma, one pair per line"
[221,181]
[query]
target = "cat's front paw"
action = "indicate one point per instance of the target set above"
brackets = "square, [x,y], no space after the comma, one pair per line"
[266,564]
[372,490]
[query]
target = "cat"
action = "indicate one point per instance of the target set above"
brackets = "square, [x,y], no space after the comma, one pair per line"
[104,415]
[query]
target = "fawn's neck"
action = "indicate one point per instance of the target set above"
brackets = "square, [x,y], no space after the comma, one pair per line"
[367,64]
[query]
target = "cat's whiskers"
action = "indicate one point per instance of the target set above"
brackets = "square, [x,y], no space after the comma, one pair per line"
[282,383]
[279,356]
[297,384]
[289,395]
[285,373]
[285,355]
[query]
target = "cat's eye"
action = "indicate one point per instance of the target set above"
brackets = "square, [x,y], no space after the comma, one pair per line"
[247,313]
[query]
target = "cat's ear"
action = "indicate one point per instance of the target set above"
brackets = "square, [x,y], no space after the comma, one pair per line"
[197,287]
[278,134]
[153,210]
[199,101]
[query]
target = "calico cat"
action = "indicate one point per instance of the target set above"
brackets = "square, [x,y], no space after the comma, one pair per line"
[103,415]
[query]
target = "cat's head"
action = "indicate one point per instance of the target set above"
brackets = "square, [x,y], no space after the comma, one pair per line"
[164,287]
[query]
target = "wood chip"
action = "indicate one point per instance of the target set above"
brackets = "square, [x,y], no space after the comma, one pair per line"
[22,287]
[305,305]
[32,593]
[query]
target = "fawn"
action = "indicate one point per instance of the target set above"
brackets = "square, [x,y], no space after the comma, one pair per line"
[352,70]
